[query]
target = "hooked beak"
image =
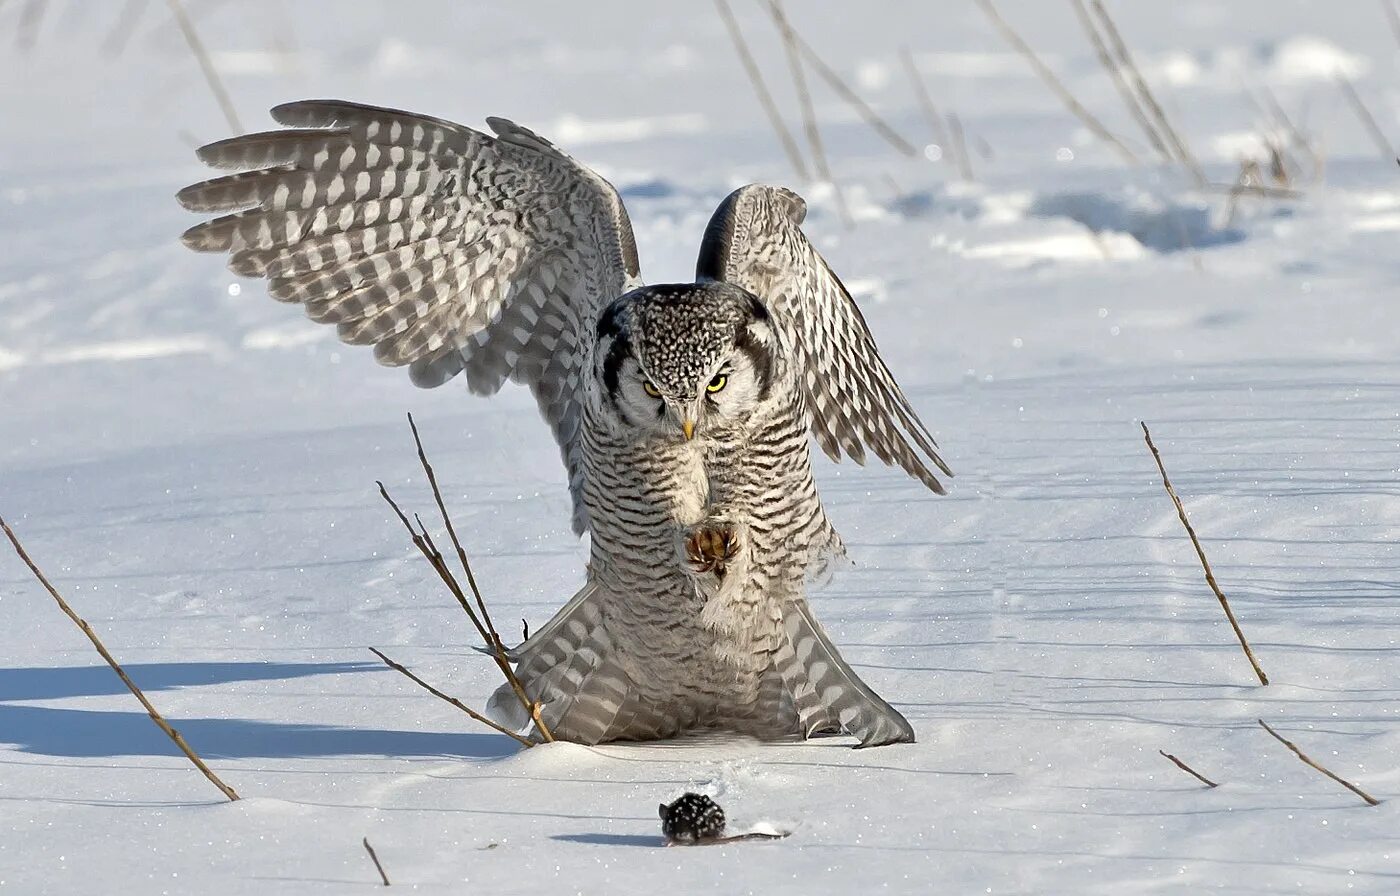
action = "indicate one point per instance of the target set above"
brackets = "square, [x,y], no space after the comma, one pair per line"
[688,427]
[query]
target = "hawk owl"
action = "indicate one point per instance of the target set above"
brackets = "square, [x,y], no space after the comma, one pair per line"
[682,411]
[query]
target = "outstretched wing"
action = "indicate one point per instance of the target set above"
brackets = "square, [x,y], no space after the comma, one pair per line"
[754,240]
[445,248]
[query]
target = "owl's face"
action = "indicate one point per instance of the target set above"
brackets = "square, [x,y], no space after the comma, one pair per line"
[686,361]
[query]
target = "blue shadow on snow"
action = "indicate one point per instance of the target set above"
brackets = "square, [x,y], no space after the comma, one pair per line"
[56,731]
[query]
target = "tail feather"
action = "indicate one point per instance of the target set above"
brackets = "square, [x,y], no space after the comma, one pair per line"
[845,700]
[586,695]
[569,667]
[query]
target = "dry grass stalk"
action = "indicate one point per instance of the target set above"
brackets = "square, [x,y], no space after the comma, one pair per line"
[1189,770]
[1370,800]
[1272,110]
[447,698]
[479,615]
[1392,17]
[809,115]
[122,29]
[1368,120]
[960,156]
[1200,552]
[1115,71]
[374,858]
[828,74]
[1154,109]
[31,17]
[937,128]
[1056,86]
[151,711]
[1240,188]
[765,98]
[206,65]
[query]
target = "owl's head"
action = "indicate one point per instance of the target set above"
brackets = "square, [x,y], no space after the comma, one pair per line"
[686,359]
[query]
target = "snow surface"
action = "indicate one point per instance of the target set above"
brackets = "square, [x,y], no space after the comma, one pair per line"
[194,464]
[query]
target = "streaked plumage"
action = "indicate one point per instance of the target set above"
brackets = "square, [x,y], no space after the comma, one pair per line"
[452,251]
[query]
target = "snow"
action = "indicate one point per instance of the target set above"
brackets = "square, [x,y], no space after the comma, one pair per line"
[194,466]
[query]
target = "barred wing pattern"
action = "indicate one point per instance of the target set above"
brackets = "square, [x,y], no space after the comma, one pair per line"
[754,240]
[445,248]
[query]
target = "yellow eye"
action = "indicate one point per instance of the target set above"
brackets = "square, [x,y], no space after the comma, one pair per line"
[650,389]
[718,383]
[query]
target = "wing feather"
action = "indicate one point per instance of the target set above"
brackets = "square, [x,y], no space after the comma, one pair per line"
[755,240]
[445,248]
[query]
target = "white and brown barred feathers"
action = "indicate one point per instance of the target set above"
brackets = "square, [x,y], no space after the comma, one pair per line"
[444,248]
[754,240]
[448,249]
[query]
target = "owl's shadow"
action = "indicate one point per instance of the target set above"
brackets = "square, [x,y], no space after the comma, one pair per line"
[612,839]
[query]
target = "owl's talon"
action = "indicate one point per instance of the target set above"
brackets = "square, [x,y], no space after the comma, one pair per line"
[711,549]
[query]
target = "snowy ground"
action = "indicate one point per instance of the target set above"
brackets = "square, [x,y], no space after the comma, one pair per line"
[194,465]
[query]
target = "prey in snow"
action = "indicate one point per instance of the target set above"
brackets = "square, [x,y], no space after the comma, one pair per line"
[682,411]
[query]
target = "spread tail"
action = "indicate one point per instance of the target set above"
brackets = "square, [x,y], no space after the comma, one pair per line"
[827,693]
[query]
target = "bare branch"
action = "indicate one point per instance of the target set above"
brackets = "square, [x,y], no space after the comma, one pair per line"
[495,637]
[809,115]
[1055,84]
[374,858]
[482,621]
[123,28]
[1392,17]
[765,99]
[1200,552]
[1189,770]
[964,161]
[121,673]
[1164,125]
[828,74]
[1115,71]
[936,125]
[1367,119]
[1370,800]
[524,741]
[211,74]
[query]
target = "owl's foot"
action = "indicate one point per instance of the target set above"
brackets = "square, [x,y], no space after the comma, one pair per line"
[711,548]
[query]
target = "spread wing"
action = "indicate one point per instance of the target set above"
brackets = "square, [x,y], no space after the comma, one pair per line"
[754,240]
[445,248]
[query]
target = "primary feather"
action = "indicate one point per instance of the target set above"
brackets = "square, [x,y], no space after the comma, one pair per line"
[453,251]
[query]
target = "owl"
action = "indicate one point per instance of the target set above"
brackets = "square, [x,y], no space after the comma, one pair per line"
[684,412]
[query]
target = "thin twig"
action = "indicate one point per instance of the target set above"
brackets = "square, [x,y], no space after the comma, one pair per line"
[1392,17]
[1055,84]
[765,99]
[1358,106]
[1115,71]
[1370,800]
[435,560]
[425,545]
[495,638]
[1247,189]
[964,161]
[936,127]
[121,673]
[1164,125]
[26,33]
[524,741]
[375,859]
[206,65]
[1268,106]
[492,637]
[1189,770]
[809,115]
[828,74]
[123,28]
[1200,552]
